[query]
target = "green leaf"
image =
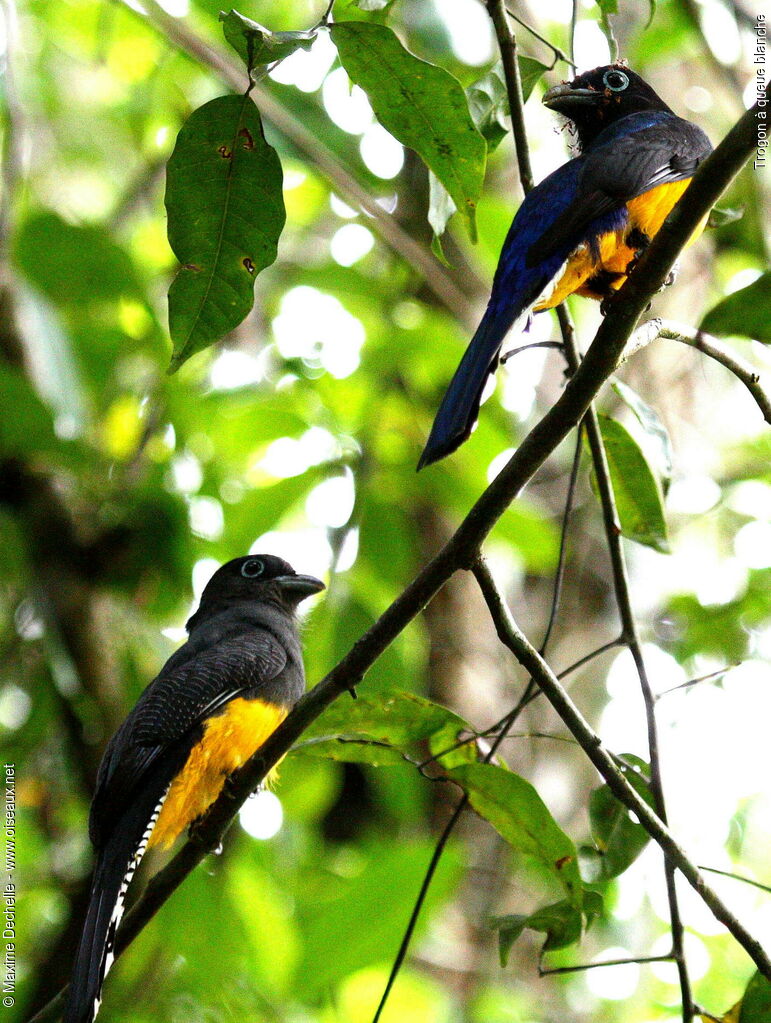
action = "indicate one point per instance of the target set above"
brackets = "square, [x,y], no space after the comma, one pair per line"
[72,263]
[745,313]
[530,71]
[561,922]
[225,216]
[30,428]
[618,838]
[518,813]
[720,216]
[488,103]
[638,496]
[756,1003]
[422,106]
[258,46]
[378,731]
[651,422]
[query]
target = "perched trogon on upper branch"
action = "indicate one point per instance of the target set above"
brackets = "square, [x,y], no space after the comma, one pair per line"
[214,703]
[582,227]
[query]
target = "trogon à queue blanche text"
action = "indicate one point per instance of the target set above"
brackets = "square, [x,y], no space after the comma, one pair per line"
[214,703]
[580,230]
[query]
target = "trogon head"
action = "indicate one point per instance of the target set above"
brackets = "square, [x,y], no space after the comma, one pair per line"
[596,98]
[258,578]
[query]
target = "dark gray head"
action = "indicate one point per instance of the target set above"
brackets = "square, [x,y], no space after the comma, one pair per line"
[258,578]
[597,98]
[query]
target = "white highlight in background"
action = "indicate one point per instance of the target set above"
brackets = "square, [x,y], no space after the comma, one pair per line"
[262,815]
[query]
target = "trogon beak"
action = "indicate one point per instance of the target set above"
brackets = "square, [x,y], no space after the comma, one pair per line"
[564,98]
[304,585]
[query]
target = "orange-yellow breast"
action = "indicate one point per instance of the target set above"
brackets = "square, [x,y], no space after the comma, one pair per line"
[229,740]
[646,213]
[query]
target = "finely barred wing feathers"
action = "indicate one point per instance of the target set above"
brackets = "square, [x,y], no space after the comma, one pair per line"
[174,704]
[631,157]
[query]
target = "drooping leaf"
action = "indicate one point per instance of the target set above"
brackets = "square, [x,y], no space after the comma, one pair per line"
[651,422]
[379,731]
[756,1003]
[561,922]
[225,216]
[638,495]
[619,839]
[518,813]
[745,313]
[422,106]
[256,45]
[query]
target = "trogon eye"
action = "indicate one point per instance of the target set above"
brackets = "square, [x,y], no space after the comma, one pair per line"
[252,568]
[616,81]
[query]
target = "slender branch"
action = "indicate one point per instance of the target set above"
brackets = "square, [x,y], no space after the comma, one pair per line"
[233,73]
[696,681]
[558,53]
[583,967]
[738,877]
[507,44]
[461,550]
[710,346]
[513,638]
[562,559]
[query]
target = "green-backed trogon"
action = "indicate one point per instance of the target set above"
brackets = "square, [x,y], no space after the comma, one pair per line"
[214,703]
[582,227]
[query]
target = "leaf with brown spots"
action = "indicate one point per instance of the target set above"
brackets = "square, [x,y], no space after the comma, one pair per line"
[225,215]
[422,106]
[519,815]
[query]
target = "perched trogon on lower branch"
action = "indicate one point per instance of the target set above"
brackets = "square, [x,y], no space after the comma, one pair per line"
[582,227]
[214,703]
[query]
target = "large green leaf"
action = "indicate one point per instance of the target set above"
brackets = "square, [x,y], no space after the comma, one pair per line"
[384,730]
[638,495]
[225,215]
[518,813]
[422,105]
[745,313]
[258,46]
[756,1003]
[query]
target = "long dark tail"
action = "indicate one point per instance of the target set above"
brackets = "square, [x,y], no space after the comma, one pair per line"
[115,867]
[460,405]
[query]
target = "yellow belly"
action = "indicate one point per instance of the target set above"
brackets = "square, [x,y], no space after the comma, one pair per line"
[229,740]
[646,213]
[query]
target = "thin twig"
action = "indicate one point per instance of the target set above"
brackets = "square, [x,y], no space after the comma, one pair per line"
[737,877]
[696,681]
[558,53]
[654,329]
[526,348]
[583,967]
